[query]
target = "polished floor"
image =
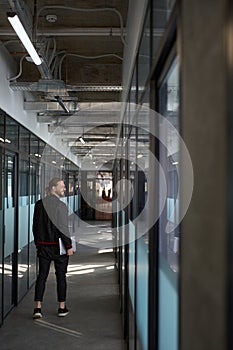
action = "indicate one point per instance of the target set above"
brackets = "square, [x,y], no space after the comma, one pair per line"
[94,321]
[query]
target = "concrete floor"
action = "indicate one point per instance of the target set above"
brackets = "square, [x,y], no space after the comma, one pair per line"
[94,321]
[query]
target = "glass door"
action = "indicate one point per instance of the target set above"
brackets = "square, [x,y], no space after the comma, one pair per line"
[9,239]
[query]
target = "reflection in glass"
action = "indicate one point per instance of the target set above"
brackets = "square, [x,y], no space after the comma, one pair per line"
[1,228]
[12,133]
[168,302]
[24,140]
[23,201]
[144,56]
[2,127]
[161,13]
[34,146]
[33,195]
[169,108]
[9,225]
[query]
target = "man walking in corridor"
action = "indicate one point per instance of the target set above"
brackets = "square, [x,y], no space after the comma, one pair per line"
[50,222]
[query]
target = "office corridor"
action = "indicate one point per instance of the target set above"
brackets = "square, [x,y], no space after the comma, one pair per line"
[94,319]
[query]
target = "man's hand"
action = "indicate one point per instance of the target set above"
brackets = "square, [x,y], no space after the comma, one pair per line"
[70,251]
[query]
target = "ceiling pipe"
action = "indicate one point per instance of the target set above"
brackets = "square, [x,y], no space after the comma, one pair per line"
[34,22]
[93,10]
[62,104]
[43,68]
[45,71]
[70,32]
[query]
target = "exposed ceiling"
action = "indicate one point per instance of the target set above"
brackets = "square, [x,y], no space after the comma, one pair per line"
[78,86]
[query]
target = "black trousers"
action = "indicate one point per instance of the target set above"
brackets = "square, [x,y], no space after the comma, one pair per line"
[60,264]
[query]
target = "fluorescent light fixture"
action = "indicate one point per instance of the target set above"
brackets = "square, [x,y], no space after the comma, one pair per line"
[37,155]
[139,156]
[20,31]
[81,140]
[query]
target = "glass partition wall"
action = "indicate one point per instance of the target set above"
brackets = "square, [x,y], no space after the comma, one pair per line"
[169,234]
[149,255]
[23,181]
[9,232]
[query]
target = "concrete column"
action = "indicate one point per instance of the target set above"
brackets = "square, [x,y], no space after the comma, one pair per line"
[204,130]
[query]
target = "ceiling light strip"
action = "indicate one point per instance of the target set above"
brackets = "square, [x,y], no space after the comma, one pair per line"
[20,31]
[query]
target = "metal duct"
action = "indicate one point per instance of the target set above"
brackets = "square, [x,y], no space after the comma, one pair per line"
[94,88]
[42,106]
[43,85]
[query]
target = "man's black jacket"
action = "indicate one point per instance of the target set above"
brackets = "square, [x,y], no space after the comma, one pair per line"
[50,222]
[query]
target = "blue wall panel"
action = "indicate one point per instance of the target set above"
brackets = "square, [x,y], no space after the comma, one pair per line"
[131,262]
[142,292]
[168,307]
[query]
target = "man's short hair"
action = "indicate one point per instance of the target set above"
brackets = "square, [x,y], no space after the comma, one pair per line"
[53,182]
